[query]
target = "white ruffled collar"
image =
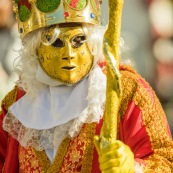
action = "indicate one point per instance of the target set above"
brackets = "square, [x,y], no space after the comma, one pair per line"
[51,106]
[28,134]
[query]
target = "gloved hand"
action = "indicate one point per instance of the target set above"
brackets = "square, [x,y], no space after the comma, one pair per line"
[115,157]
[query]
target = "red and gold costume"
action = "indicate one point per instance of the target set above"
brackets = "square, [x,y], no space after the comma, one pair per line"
[60,64]
[141,125]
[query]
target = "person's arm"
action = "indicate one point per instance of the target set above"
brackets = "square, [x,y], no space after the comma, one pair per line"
[6,102]
[143,126]
[145,144]
[8,145]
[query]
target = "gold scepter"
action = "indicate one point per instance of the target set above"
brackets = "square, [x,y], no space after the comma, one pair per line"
[111,50]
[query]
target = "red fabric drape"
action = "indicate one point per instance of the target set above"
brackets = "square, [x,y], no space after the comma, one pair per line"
[133,132]
[9,146]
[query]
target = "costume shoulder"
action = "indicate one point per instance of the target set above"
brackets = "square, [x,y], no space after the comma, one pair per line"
[132,83]
[136,89]
[129,78]
[141,108]
[10,98]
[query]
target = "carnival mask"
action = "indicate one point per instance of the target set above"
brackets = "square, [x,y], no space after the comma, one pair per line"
[64,54]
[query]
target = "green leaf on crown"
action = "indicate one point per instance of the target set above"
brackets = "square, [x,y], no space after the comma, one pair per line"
[47,5]
[16,1]
[77,4]
[94,4]
[24,13]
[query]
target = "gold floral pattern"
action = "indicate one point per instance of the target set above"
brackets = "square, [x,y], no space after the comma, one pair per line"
[72,156]
[80,153]
[28,161]
[57,162]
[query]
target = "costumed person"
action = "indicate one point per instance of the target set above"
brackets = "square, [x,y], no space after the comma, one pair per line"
[72,111]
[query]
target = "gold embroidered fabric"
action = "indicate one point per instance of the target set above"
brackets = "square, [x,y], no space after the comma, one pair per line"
[80,153]
[37,161]
[137,89]
[10,98]
[28,161]
[88,150]
[78,156]
[57,162]
[72,156]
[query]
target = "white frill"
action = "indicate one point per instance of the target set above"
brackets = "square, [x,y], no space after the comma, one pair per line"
[50,138]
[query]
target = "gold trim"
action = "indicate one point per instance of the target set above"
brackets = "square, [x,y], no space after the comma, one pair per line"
[10,98]
[88,152]
[129,87]
[57,162]
[153,118]
[43,159]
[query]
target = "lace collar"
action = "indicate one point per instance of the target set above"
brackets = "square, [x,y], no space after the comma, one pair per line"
[29,132]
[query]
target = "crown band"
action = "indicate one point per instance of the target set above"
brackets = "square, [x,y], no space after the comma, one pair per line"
[35,14]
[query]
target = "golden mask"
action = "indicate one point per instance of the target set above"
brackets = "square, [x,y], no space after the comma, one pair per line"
[64,54]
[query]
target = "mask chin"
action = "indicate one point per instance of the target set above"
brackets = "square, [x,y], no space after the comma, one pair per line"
[42,77]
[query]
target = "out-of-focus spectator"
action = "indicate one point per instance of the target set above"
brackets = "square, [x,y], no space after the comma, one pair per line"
[148,35]
[8,46]
[6,14]
[7,21]
[161,16]
[136,35]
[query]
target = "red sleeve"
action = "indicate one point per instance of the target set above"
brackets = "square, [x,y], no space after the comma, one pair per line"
[144,127]
[3,141]
[8,150]
[8,145]
[133,132]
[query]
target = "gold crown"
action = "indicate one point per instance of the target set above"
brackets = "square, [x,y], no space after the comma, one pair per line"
[35,14]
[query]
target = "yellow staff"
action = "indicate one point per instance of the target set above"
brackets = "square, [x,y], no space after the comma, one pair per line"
[114,155]
[111,50]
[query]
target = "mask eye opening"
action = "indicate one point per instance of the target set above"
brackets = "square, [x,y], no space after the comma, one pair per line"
[78,40]
[50,35]
[58,43]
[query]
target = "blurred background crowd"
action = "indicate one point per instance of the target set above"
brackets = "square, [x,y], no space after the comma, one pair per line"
[9,46]
[147,31]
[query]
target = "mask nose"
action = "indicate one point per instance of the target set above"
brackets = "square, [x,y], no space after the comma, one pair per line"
[69,54]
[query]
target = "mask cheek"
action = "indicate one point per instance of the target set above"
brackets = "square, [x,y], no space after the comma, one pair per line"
[40,57]
[61,53]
